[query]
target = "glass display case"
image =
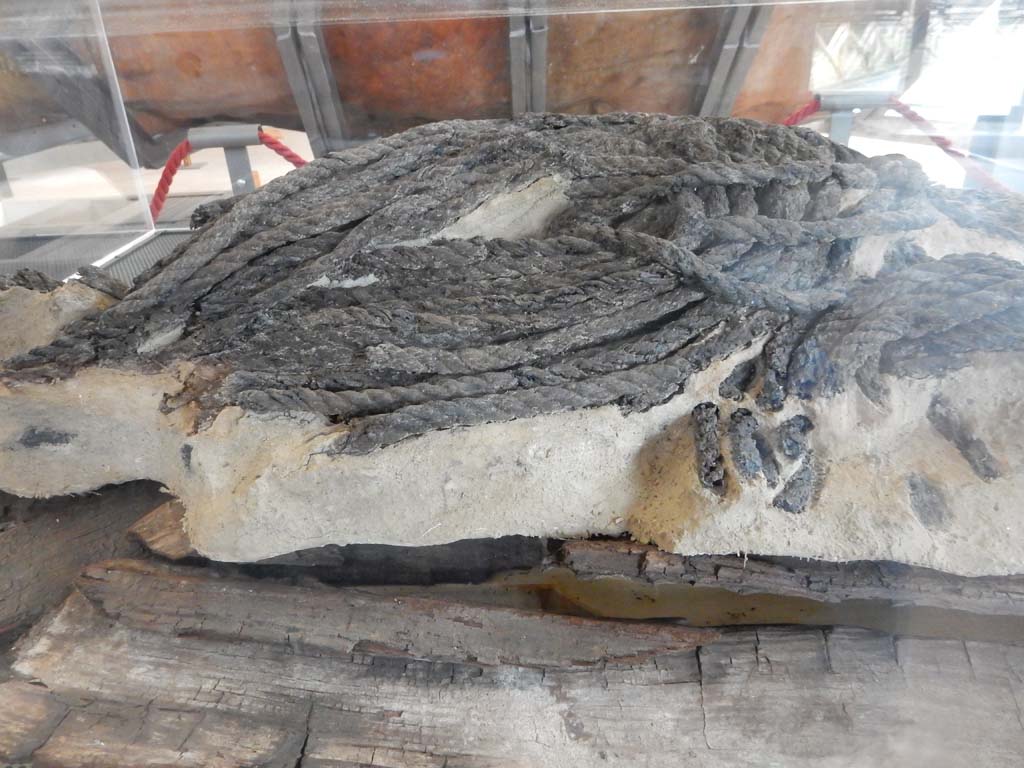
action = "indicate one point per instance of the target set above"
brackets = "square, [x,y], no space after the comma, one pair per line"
[332,434]
[98,94]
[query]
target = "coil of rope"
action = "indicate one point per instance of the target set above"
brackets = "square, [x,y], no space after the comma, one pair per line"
[966,160]
[184,149]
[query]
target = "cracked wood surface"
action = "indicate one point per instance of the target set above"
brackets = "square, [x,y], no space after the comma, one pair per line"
[823,582]
[44,544]
[253,678]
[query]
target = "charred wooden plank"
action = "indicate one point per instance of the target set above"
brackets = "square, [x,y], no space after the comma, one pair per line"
[46,544]
[467,561]
[276,680]
[823,582]
[179,600]
[162,531]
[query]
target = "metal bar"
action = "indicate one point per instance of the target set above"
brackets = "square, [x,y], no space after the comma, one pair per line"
[224,136]
[844,101]
[733,34]
[121,114]
[5,185]
[119,252]
[537,42]
[517,61]
[239,169]
[288,48]
[308,69]
[918,37]
[750,42]
[840,126]
[320,76]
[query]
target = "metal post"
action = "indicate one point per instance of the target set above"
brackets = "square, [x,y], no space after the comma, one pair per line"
[233,139]
[5,185]
[537,28]
[840,126]
[528,61]
[240,170]
[741,40]
[308,69]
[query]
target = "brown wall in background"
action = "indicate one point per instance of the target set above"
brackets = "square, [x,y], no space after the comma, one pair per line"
[647,62]
[396,75]
[176,79]
[778,81]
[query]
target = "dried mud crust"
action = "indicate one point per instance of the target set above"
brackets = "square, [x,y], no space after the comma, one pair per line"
[654,246]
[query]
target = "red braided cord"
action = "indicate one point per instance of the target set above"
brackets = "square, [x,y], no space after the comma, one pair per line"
[969,163]
[921,122]
[811,107]
[271,143]
[184,149]
[171,167]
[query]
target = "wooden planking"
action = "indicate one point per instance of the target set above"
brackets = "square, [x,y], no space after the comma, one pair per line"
[162,531]
[771,696]
[176,600]
[651,61]
[779,78]
[60,730]
[158,736]
[395,76]
[28,715]
[42,552]
[925,702]
[809,579]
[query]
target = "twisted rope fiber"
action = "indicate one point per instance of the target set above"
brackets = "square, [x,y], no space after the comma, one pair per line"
[184,149]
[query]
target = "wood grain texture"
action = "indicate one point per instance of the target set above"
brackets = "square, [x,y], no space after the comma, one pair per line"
[810,579]
[162,599]
[162,531]
[172,80]
[394,76]
[779,78]
[647,61]
[44,544]
[136,690]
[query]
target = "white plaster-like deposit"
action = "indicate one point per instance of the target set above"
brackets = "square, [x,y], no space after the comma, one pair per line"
[30,319]
[940,239]
[522,212]
[255,486]
[864,456]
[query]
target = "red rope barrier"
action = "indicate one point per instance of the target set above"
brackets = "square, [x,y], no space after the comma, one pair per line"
[184,149]
[810,108]
[271,143]
[171,167]
[970,165]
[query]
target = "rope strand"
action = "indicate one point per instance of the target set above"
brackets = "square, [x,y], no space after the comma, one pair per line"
[271,143]
[184,149]
[177,157]
[812,107]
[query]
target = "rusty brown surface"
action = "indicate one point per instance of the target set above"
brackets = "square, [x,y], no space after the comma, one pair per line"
[393,76]
[177,79]
[645,62]
[778,81]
